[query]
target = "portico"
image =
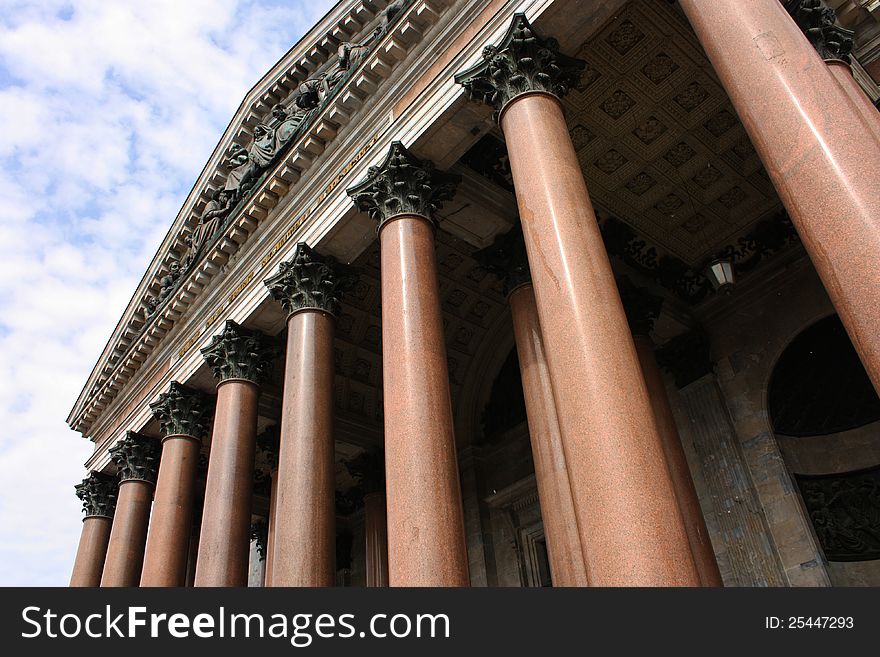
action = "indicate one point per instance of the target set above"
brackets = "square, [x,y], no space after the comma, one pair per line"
[457,246]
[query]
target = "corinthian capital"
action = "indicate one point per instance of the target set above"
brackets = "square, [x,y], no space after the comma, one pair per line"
[240,353]
[403,184]
[507,259]
[183,411]
[309,281]
[137,457]
[523,62]
[98,494]
[818,22]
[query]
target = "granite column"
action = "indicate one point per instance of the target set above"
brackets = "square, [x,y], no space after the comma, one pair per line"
[818,148]
[426,541]
[185,415]
[239,359]
[632,533]
[304,542]
[137,458]
[98,495]
[506,258]
[642,309]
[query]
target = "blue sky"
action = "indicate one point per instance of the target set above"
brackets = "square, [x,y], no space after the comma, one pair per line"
[108,110]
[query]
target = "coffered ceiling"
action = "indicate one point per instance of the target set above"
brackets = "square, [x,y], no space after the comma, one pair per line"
[660,144]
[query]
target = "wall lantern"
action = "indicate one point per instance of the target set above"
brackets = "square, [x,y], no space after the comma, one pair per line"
[720,273]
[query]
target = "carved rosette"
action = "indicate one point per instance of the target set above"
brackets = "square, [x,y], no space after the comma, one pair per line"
[183,411]
[818,22]
[310,281]
[523,62]
[507,259]
[240,353]
[137,457]
[642,308]
[98,495]
[403,184]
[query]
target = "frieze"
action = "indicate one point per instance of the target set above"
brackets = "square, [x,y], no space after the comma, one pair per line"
[266,260]
[340,87]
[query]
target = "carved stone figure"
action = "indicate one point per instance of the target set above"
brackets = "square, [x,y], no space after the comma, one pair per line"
[215,212]
[150,305]
[289,124]
[239,164]
[169,280]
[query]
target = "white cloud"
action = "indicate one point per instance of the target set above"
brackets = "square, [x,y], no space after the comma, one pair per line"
[110,110]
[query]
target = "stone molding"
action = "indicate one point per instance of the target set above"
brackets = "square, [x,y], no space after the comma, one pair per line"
[310,281]
[98,494]
[403,184]
[183,411]
[240,353]
[524,62]
[137,457]
[136,337]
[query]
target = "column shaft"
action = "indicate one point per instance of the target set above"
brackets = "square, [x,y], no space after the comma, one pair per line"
[685,492]
[128,536]
[270,540]
[376,534]
[92,551]
[304,547]
[843,73]
[554,492]
[167,551]
[631,530]
[426,544]
[820,152]
[224,540]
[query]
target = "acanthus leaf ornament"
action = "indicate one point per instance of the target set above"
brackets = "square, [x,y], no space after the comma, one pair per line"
[240,353]
[818,22]
[523,62]
[183,411]
[308,280]
[98,494]
[137,457]
[403,184]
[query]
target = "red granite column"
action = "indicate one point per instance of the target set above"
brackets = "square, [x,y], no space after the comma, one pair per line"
[554,491]
[642,309]
[185,415]
[632,533]
[821,154]
[270,539]
[98,494]
[304,544]
[239,359]
[376,535]
[138,460]
[426,540]
[843,73]
[506,258]
[688,502]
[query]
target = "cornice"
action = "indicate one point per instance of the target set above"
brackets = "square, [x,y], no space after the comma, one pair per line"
[132,342]
[379,123]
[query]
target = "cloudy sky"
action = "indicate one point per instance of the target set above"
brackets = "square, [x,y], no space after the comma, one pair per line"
[108,110]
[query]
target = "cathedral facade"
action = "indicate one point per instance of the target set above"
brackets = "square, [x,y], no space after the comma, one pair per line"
[513,293]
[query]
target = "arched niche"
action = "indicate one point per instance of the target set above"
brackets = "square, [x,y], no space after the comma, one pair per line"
[825,415]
